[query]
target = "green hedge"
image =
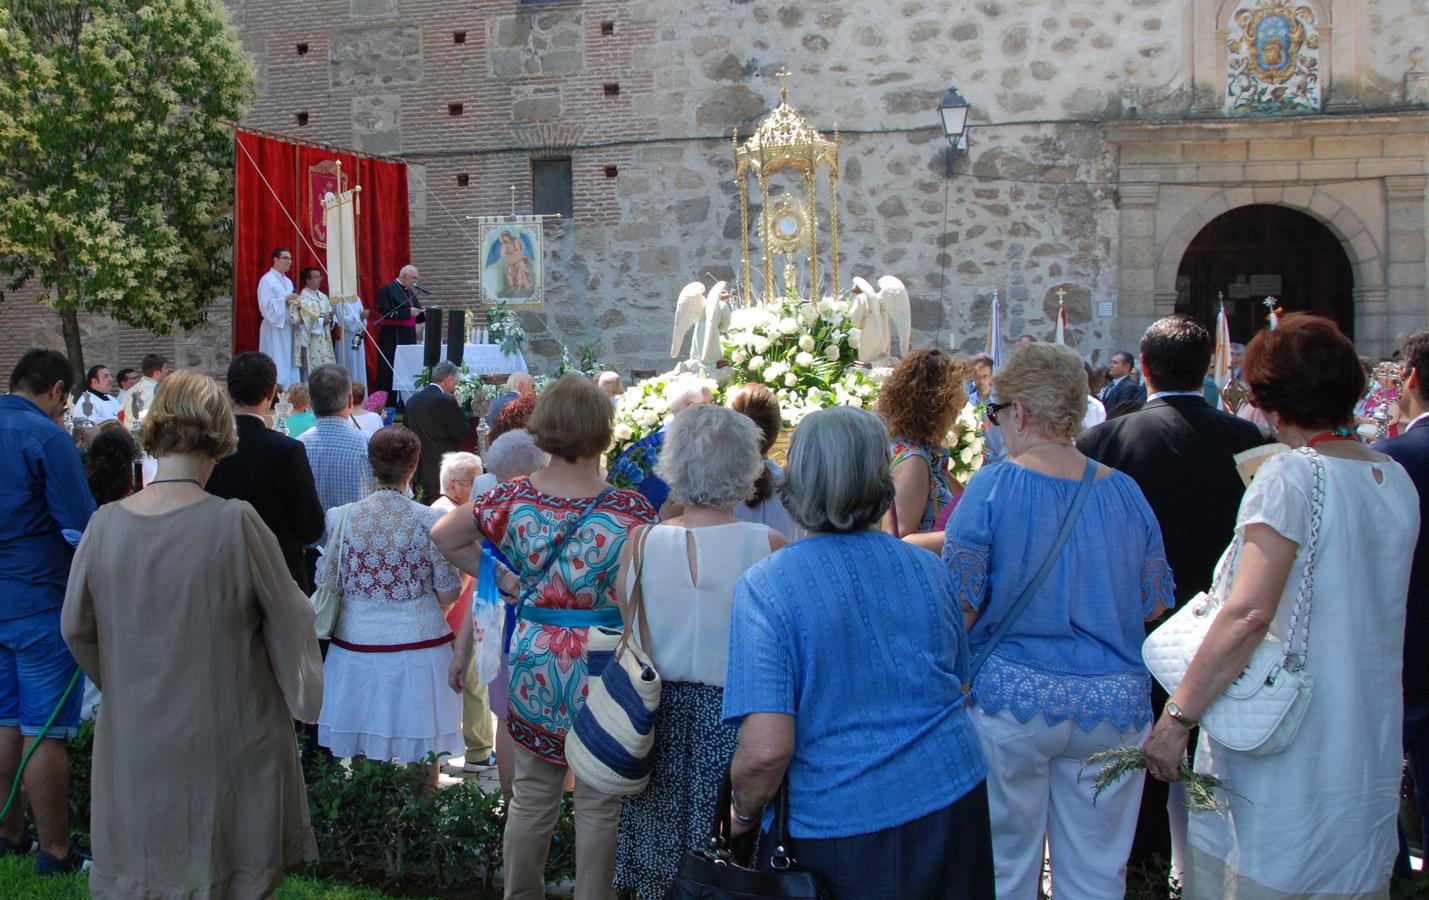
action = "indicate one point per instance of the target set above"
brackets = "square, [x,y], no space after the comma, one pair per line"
[376,825]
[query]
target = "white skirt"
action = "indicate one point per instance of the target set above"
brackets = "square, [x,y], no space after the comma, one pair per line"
[390,706]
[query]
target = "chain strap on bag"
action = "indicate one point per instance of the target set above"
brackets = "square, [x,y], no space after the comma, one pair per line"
[1262,709]
[327,599]
[611,743]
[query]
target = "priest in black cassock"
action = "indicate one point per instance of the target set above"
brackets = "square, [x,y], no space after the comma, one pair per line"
[398,311]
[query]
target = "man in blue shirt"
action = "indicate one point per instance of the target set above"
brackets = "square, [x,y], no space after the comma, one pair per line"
[45,505]
[337,451]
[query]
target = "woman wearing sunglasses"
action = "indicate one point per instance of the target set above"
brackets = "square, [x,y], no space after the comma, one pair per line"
[1065,679]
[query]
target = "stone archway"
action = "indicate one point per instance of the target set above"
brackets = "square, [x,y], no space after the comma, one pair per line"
[1356,240]
[1243,256]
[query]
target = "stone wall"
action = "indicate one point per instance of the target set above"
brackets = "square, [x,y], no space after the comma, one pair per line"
[642,96]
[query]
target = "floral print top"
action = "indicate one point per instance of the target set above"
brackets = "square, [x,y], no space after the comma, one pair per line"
[940,483]
[548,662]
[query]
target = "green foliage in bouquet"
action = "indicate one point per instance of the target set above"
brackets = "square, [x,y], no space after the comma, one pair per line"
[505,328]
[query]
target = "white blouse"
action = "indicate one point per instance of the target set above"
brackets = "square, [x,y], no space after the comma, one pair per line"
[689,619]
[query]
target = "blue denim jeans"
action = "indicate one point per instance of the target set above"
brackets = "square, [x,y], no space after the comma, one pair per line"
[35,669]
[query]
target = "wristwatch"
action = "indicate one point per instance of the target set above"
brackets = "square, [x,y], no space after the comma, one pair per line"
[1173,709]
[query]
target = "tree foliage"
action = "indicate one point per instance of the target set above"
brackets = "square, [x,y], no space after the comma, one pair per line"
[115,159]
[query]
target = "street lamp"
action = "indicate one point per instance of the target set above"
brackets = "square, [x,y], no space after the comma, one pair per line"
[953,111]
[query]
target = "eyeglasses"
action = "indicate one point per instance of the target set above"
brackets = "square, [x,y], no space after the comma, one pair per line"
[993,409]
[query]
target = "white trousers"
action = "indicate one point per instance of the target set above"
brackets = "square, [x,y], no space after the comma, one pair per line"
[1034,796]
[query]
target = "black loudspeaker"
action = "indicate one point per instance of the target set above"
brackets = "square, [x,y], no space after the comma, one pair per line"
[432,337]
[456,335]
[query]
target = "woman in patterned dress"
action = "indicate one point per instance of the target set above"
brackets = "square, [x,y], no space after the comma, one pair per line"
[711,460]
[566,509]
[919,403]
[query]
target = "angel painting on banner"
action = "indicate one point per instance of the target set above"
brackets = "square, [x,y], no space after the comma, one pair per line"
[511,262]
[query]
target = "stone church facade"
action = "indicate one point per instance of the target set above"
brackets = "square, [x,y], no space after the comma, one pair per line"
[1137,156]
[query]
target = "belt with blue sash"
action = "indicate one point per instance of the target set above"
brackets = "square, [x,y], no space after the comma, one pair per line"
[608,617]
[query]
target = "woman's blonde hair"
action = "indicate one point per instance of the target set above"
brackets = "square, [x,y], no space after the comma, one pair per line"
[298,396]
[190,416]
[1050,383]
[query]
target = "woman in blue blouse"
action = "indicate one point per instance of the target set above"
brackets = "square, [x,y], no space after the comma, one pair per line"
[1067,680]
[846,659]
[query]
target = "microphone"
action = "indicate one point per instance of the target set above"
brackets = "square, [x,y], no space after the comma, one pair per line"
[419,289]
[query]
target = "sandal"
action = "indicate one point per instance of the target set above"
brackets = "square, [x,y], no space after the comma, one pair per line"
[29,842]
[75,861]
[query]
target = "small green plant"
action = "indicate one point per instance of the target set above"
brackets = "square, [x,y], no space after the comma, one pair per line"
[1122,761]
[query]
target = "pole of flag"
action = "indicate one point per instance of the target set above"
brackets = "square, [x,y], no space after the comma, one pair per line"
[1061,316]
[994,332]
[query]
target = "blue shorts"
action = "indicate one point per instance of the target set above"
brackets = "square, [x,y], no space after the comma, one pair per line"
[35,669]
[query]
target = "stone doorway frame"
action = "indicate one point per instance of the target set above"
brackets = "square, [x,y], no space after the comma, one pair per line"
[1359,176]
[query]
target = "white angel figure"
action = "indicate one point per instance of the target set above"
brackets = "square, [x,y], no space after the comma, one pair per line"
[877,313]
[707,314]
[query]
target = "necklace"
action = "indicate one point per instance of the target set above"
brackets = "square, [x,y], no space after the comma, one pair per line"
[1330,436]
[193,481]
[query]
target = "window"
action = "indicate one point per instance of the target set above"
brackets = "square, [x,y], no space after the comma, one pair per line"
[458,37]
[551,190]
[454,108]
[612,89]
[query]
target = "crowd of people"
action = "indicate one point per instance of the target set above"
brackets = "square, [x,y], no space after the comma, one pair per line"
[922,666]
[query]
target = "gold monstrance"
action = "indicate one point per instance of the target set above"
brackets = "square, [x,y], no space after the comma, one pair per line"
[785,140]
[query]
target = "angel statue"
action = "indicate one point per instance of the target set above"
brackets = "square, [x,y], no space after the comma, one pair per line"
[708,315]
[877,312]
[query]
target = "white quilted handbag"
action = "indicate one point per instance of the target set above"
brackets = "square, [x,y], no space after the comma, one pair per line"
[1261,711]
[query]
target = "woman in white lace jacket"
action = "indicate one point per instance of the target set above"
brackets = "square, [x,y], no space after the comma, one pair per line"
[386,694]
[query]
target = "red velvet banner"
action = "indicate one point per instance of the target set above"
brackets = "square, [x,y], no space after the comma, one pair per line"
[278,186]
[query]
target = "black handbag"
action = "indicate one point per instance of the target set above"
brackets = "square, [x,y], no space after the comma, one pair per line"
[712,873]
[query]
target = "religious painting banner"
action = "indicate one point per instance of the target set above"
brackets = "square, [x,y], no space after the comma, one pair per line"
[326,177]
[279,186]
[512,264]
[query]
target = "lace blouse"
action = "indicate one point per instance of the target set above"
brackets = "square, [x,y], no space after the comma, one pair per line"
[389,571]
[1076,649]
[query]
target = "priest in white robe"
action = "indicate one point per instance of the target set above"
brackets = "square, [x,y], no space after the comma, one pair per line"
[275,334]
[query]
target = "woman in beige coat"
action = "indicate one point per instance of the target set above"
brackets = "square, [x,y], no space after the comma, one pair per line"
[182,613]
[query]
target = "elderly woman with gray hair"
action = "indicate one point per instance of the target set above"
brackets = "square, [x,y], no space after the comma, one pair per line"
[847,656]
[710,460]
[459,471]
[1057,562]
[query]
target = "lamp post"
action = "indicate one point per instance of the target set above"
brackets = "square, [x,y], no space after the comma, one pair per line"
[953,111]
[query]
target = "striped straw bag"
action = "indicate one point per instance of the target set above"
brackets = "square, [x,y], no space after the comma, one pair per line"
[611,744]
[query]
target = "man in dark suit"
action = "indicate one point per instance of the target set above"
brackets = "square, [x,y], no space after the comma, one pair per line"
[1123,388]
[1180,452]
[433,415]
[1411,450]
[269,470]
[398,311]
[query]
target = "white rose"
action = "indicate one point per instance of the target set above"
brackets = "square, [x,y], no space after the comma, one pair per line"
[647,419]
[624,432]
[810,313]
[756,363]
[791,379]
[967,455]
[804,358]
[738,357]
[855,338]
[760,343]
[832,352]
[856,402]
[806,342]
[772,374]
[826,307]
[788,325]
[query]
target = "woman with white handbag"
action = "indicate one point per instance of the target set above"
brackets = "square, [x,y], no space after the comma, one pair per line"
[1309,603]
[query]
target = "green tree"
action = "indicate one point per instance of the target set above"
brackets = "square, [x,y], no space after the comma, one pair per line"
[116,165]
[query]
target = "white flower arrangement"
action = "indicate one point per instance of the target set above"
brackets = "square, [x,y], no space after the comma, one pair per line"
[967,444]
[803,351]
